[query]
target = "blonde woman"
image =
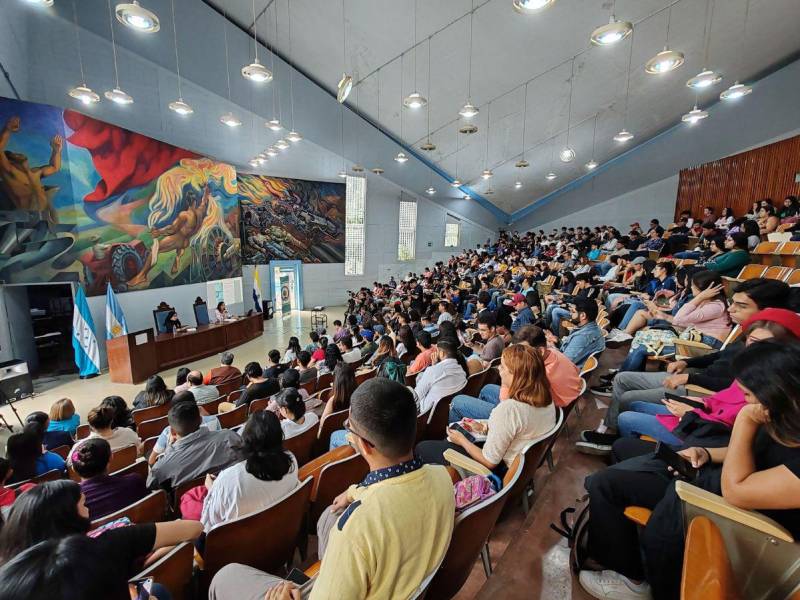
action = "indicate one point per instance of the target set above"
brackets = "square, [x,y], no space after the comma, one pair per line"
[63,417]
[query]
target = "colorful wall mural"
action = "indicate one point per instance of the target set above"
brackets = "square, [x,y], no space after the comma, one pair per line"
[83,200]
[291,219]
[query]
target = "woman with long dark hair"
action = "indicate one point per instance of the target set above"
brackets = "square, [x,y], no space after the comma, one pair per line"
[267,473]
[333,356]
[24,452]
[155,393]
[344,384]
[406,344]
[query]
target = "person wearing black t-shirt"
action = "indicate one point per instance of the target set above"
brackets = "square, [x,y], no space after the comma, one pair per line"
[758,470]
[258,385]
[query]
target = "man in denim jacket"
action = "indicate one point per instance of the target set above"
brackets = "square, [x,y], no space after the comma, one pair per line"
[585,339]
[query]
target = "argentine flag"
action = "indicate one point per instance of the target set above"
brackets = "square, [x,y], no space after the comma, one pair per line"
[84,341]
[115,318]
[257,290]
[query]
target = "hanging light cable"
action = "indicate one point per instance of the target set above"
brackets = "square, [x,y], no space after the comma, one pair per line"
[116,95]
[274,123]
[487,172]
[429,146]
[228,118]
[522,163]
[281,144]
[551,175]
[468,110]
[343,172]
[357,168]
[377,169]
[667,60]
[624,135]
[401,157]
[706,77]
[292,136]
[178,106]
[255,71]
[415,99]
[81,92]
[567,154]
[592,164]
[456,183]
[737,90]
[346,82]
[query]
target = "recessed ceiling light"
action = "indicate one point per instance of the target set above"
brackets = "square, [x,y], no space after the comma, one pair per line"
[468,129]
[136,17]
[736,91]
[522,164]
[611,33]
[486,174]
[526,7]
[623,136]
[566,155]
[456,183]
[401,158]
[84,94]
[344,87]
[415,100]
[694,116]
[180,107]
[468,110]
[428,146]
[281,144]
[377,170]
[665,61]
[591,165]
[430,191]
[230,120]
[118,96]
[550,176]
[293,136]
[704,79]
[256,72]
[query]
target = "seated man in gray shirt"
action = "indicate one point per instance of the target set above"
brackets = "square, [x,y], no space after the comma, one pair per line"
[493,343]
[201,392]
[195,450]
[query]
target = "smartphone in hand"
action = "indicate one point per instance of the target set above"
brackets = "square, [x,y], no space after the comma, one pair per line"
[690,401]
[458,427]
[680,464]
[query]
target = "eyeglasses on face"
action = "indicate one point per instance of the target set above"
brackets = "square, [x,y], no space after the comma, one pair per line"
[349,429]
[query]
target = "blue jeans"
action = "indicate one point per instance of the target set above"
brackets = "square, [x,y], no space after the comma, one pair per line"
[611,298]
[338,438]
[688,254]
[556,316]
[640,419]
[603,267]
[633,307]
[474,408]
[637,358]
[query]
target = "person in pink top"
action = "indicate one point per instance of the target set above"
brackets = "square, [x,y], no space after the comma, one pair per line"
[662,422]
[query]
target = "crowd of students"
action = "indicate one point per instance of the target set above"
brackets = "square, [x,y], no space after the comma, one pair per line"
[525,313]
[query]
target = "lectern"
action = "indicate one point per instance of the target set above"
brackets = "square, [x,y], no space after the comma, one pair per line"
[132,358]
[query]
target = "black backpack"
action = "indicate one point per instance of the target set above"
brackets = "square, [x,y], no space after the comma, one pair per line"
[577,533]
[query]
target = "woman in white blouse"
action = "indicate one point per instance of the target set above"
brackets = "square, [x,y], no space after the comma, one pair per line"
[525,412]
[267,474]
[221,313]
[294,418]
[101,424]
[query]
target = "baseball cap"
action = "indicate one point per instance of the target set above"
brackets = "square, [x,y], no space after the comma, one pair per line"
[518,298]
[367,334]
[638,260]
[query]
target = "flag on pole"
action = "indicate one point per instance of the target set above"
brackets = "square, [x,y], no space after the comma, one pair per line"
[115,318]
[257,290]
[84,341]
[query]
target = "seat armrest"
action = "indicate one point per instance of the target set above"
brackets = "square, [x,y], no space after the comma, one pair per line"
[699,390]
[465,464]
[717,505]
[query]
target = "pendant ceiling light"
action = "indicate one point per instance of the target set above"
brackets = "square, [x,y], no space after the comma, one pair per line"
[667,60]
[694,116]
[706,77]
[136,17]
[45,3]
[469,110]
[466,197]
[178,106]
[487,172]
[430,191]
[624,135]
[737,90]
[81,92]
[456,183]
[282,144]
[293,136]
[468,129]
[415,99]
[342,174]
[527,7]
[228,118]
[592,164]
[345,84]
[116,95]
[428,146]
[401,157]
[550,176]
[274,125]
[522,163]
[611,33]
[253,162]
[518,184]
[377,170]
[567,154]
[256,72]
[489,191]
[271,151]
[357,168]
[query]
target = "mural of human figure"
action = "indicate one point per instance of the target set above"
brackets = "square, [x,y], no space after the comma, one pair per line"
[22,183]
[175,236]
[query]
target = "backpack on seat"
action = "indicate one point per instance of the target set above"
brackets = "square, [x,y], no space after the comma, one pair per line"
[577,533]
[393,369]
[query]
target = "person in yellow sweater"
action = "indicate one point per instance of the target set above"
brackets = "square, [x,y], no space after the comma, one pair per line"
[391,531]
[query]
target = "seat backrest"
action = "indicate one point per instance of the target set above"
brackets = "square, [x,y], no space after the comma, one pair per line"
[232,418]
[789,248]
[148,445]
[365,375]
[766,247]
[794,277]
[439,417]
[302,445]
[150,509]
[62,451]
[778,273]
[751,271]
[264,540]
[184,487]
[52,475]
[333,479]
[257,405]
[160,317]
[534,452]
[309,386]
[173,570]
[226,387]
[234,396]
[211,407]
[324,380]
[470,532]
[140,467]
[475,383]
[707,572]
[152,427]
[332,422]
[590,365]
[83,431]
[411,380]
[122,458]
[313,467]
[422,424]
[201,314]
[151,412]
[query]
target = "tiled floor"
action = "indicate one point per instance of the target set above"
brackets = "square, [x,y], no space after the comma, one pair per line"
[88,393]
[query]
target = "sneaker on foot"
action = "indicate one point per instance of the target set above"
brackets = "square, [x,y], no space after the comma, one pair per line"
[592,448]
[594,437]
[610,585]
[604,389]
[609,377]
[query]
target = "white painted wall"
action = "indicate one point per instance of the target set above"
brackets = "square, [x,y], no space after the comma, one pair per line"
[656,200]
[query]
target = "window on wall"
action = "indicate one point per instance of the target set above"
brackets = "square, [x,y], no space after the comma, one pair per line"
[407,240]
[355,211]
[452,229]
